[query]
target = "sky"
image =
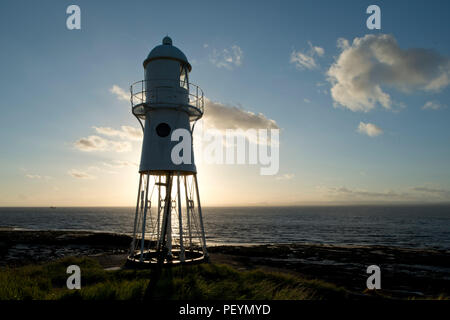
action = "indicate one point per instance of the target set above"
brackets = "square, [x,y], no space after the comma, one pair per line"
[363,114]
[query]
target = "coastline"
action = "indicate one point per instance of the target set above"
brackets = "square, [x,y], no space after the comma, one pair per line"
[406,272]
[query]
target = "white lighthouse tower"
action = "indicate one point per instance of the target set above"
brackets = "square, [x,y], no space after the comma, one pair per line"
[168,225]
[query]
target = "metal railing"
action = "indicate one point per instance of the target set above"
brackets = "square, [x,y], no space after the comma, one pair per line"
[145,92]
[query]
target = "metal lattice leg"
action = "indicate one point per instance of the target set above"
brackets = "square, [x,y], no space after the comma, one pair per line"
[160,237]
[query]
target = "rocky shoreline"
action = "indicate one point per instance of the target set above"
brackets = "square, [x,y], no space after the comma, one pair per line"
[406,273]
[21,247]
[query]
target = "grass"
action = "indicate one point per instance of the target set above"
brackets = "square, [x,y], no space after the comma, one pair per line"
[206,281]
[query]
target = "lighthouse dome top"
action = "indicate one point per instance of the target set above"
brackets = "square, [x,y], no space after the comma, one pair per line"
[167,51]
[167,40]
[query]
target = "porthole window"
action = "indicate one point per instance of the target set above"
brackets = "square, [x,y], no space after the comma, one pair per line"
[163,129]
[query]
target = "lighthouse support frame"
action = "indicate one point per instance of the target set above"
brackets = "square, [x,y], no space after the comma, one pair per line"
[173,232]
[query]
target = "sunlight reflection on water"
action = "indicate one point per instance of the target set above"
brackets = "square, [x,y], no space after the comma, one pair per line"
[406,226]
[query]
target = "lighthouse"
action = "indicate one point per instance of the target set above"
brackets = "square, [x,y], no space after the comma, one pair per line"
[168,223]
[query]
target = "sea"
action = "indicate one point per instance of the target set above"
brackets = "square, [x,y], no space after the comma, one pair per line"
[420,226]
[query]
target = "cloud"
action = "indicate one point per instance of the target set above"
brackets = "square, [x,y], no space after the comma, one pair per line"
[36,176]
[390,194]
[370,63]
[126,132]
[306,60]
[430,190]
[342,43]
[132,133]
[306,100]
[221,117]
[91,143]
[120,93]
[33,176]
[80,174]
[286,176]
[227,58]
[302,60]
[369,129]
[319,51]
[119,146]
[119,164]
[39,177]
[87,172]
[433,105]
[107,131]
[99,169]
[417,194]
[320,87]
[96,143]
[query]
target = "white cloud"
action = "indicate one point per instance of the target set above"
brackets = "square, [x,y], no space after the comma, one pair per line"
[120,93]
[119,164]
[306,100]
[369,129]
[417,194]
[221,117]
[320,87]
[354,194]
[227,58]
[433,105]
[432,190]
[319,51]
[375,61]
[91,143]
[126,132]
[99,169]
[33,176]
[342,43]
[96,143]
[120,146]
[91,172]
[306,60]
[132,133]
[80,174]
[302,60]
[286,176]
[107,131]
[37,177]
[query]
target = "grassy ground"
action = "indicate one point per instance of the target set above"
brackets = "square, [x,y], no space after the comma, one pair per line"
[207,281]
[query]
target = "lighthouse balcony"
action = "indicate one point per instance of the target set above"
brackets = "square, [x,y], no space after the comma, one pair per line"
[163,93]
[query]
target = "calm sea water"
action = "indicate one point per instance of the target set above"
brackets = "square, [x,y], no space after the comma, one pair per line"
[404,226]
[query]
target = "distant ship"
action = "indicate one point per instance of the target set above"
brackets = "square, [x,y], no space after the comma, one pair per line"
[52,207]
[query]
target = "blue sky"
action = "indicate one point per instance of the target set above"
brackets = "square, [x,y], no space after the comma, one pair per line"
[56,86]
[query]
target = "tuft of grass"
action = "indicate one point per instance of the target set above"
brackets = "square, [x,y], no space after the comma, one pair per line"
[439,297]
[206,281]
